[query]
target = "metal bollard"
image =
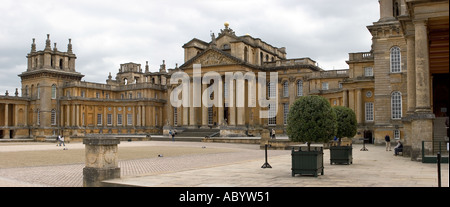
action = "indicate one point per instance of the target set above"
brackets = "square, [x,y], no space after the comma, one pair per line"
[439,168]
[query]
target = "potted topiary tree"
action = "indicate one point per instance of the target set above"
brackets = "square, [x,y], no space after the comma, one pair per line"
[346,127]
[311,119]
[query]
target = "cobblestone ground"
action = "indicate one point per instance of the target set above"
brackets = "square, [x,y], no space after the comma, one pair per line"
[178,156]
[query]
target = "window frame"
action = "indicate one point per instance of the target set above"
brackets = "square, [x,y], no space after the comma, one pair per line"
[395,60]
[396,105]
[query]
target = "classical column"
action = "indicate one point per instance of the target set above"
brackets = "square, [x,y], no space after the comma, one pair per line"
[78,115]
[411,73]
[359,105]
[422,67]
[6,131]
[240,116]
[143,116]
[67,115]
[6,115]
[232,109]
[345,97]
[185,115]
[192,116]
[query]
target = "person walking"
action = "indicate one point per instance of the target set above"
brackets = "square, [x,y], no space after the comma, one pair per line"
[61,140]
[57,139]
[173,135]
[273,133]
[388,142]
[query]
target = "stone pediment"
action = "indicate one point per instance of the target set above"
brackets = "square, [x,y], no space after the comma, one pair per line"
[212,57]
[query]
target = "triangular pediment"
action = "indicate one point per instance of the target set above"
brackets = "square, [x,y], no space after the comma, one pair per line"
[212,57]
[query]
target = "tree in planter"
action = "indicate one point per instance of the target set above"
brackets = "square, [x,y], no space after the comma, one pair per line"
[346,122]
[311,119]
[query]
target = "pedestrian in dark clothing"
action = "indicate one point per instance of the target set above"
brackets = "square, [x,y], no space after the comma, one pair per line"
[388,142]
[398,148]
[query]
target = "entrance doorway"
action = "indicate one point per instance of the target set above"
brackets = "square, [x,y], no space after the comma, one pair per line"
[368,137]
[440,94]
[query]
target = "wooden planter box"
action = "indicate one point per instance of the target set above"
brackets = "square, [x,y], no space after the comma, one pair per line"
[341,154]
[307,162]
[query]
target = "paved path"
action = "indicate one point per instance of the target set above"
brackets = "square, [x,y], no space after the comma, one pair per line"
[227,165]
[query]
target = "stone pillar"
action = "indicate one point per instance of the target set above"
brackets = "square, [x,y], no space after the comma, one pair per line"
[204,109]
[6,130]
[422,68]
[411,73]
[345,98]
[101,161]
[386,10]
[359,105]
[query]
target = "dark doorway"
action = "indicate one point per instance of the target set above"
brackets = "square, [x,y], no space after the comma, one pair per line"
[368,137]
[225,115]
[440,94]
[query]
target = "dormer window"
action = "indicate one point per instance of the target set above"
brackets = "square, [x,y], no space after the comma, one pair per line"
[226,47]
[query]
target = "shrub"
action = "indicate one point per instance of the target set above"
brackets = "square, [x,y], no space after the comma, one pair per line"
[311,119]
[346,122]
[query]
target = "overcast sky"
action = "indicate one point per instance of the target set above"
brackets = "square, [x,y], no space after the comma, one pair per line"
[107,33]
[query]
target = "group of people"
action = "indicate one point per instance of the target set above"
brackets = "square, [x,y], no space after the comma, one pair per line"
[397,149]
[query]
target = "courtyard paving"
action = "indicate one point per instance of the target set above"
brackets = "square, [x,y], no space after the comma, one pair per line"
[197,164]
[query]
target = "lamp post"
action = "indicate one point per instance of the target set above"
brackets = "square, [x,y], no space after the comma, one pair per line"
[266,164]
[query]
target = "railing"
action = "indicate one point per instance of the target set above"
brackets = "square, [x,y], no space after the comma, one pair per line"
[360,56]
[430,150]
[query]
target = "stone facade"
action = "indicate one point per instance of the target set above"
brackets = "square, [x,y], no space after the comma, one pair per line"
[397,88]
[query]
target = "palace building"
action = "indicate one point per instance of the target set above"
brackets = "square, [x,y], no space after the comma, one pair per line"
[399,87]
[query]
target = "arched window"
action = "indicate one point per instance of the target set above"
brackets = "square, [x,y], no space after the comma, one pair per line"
[396,105]
[26,91]
[53,91]
[285,89]
[299,88]
[61,62]
[395,60]
[53,117]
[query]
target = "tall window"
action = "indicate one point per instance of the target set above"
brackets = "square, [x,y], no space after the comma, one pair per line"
[119,119]
[53,91]
[109,119]
[38,91]
[369,111]
[129,119]
[396,105]
[271,90]
[53,117]
[245,54]
[38,121]
[175,116]
[99,119]
[272,115]
[210,115]
[285,112]
[395,60]
[285,89]
[299,88]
